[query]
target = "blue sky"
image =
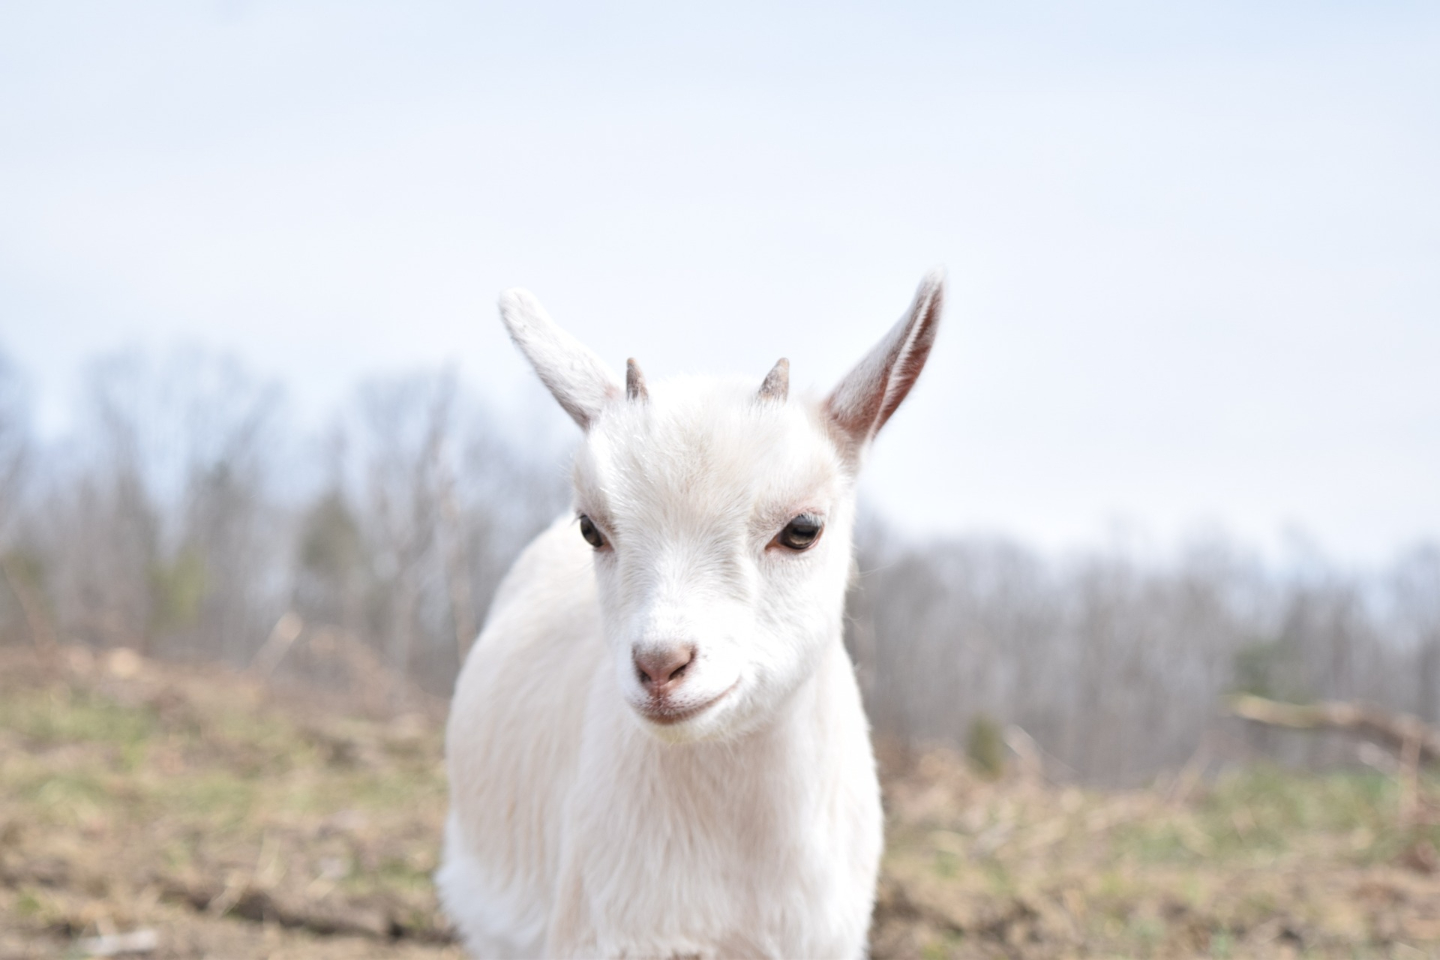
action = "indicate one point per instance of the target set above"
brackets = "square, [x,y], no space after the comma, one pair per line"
[1194,249]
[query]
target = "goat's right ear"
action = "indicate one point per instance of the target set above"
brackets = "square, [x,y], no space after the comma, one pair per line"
[579,380]
[859,406]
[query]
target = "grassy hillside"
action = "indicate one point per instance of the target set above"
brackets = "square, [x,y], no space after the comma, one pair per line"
[229,820]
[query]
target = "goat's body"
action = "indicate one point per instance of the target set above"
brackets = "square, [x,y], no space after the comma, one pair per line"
[657,747]
[576,832]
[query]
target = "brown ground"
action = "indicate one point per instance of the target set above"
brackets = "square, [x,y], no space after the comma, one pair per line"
[226,820]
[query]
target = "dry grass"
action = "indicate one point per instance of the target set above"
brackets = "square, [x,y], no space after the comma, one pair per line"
[197,804]
[236,822]
[1260,863]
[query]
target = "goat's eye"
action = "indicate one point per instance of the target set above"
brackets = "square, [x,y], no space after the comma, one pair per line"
[590,532]
[800,533]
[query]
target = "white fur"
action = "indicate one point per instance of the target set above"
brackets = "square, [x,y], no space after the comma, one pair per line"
[580,827]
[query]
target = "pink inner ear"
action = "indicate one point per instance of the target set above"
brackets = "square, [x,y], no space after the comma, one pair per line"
[874,389]
[912,360]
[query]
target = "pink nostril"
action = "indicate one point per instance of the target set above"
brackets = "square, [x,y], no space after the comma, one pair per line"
[661,669]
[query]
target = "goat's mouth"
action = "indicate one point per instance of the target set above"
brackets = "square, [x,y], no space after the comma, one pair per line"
[659,710]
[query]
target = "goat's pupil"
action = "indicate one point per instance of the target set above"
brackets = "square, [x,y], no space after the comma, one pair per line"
[588,531]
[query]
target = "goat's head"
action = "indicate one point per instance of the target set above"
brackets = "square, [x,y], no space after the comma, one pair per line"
[720,514]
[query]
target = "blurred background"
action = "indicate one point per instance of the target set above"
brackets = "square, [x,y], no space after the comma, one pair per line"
[1179,438]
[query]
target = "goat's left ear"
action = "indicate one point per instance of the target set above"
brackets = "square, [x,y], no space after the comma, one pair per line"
[869,394]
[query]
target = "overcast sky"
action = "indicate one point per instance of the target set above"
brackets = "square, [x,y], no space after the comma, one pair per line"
[1193,248]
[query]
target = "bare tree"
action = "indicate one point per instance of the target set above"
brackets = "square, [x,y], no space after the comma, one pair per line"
[14,439]
[19,570]
[151,522]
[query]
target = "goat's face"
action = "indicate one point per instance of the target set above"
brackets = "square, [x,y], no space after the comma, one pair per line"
[723,522]
[720,515]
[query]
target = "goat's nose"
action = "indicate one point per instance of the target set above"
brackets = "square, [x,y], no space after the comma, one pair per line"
[661,669]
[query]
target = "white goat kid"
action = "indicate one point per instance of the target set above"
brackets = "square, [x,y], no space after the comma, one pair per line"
[657,746]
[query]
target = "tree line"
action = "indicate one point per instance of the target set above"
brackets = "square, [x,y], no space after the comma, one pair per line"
[185,514]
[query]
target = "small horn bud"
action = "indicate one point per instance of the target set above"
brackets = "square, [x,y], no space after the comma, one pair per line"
[635,382]
[777,382]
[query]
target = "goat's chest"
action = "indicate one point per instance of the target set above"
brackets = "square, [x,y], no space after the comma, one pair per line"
[716,854]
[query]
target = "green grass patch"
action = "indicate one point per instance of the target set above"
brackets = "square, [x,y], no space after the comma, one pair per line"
[61,716]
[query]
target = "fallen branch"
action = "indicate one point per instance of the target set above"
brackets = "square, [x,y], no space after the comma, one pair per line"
[1404,731]
[119,944]
[338,919]
[268,657]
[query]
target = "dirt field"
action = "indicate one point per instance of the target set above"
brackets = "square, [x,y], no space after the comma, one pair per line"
[202,815]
